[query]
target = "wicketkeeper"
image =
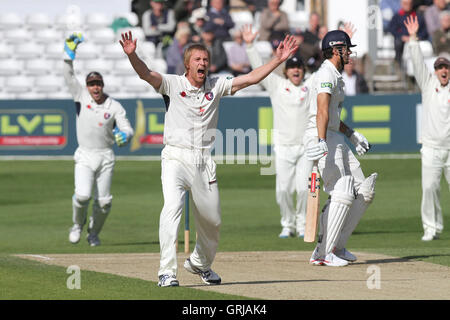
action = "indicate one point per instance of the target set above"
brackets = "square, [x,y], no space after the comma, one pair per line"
[100,122]
[350,192]
[435,131]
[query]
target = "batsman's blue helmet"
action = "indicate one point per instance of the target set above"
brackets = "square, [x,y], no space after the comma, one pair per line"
[336,38]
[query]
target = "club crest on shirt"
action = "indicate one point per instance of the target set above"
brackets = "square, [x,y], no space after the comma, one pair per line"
[107,115]
[209,96]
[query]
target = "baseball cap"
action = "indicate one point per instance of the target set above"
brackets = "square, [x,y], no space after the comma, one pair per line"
[336,38]
[441,61]
[94,76]
[294,62]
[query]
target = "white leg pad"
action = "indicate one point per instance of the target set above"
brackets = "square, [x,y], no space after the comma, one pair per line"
[100,211]
[79,209]
[365,196]
[342,198]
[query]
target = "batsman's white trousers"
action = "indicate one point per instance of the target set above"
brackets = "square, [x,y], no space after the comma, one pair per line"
[194,170]
[93,175]
[331,170]
[292,172]
[434,162]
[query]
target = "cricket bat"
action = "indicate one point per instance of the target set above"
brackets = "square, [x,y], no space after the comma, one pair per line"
[312,206]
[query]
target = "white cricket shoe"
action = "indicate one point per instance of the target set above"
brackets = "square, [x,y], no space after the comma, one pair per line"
[345,254]
[332,260]
[315,259]
[208,276]
[75,234]
[301,233]
[93,240]
[168,280]
[286,233]
[429,235]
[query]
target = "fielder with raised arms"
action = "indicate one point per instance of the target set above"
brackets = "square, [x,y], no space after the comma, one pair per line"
[192,107]
[97,116]
[350,192]
[289,96]
[435,133]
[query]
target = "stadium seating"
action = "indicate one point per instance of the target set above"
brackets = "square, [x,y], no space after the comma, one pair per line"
[6,51]
[10,67]
[19,84]
[38,67]
[10,21]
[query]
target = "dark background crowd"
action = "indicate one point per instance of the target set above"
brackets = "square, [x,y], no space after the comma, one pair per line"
[173,24]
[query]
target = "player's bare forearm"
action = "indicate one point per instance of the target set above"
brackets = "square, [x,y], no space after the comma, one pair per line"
[323,101]
[345,129]
[255,76]
[152,77]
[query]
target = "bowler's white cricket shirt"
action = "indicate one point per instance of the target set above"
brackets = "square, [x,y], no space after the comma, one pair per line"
[327,80]
[289,104]
[95,122]
[435,126]
[191,112]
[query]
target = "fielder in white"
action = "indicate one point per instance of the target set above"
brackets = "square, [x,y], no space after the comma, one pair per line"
[435,131]
[192,102]
[97,116]
[290,104]
[350,192]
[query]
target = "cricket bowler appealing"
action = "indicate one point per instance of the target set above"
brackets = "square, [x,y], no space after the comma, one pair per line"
[192,109]
[350,192]
[100,121]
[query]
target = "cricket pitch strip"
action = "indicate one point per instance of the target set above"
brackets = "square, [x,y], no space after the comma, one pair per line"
[283,275]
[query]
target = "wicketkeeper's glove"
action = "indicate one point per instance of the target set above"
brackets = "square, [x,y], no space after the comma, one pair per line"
[71,44]
[317,151]
[120,137]
[360,142]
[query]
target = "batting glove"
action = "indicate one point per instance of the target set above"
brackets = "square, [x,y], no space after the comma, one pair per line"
[360,142]
[120,137]
[71,44]
[317,151]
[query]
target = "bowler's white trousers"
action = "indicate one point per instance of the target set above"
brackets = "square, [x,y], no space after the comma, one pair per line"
[292,171]
[434,162]
[181,170]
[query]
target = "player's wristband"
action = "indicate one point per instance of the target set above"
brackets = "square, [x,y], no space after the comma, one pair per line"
[321,140]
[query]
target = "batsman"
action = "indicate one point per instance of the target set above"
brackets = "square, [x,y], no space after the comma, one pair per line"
[100,122]
[342,177]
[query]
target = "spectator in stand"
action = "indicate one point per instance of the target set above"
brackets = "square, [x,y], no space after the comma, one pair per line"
[197,22]
[354,81]
[311,34]
[398,30]
[273,20]
[158,22]
[388,9]
[183,9]
[310,53]
[238,61]
[174,54]
[441,37]
[219,20]
[431,15]
[218,60]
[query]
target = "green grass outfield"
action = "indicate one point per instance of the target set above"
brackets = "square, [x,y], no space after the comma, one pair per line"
[35,216]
